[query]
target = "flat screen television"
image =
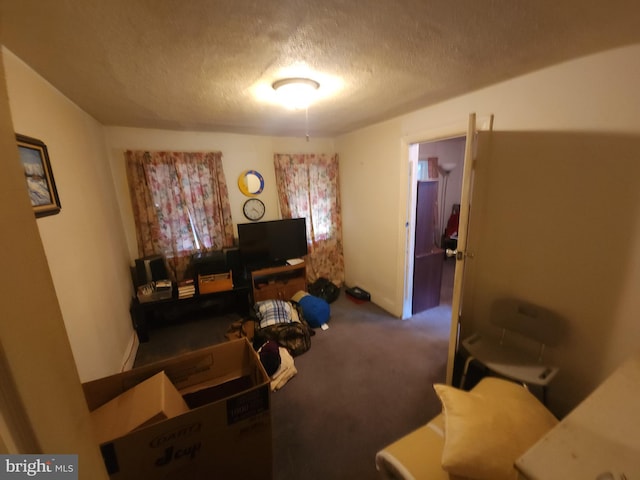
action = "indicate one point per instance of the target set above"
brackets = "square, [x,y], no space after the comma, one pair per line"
[271,243]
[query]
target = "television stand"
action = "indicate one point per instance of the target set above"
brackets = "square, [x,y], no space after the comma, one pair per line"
[262,265]
[278,283]
[148,314]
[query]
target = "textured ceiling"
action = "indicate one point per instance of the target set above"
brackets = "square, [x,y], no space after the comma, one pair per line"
[208,65]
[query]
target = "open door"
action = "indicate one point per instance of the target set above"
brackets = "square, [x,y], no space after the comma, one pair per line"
[410,145]
[461,254]
[427,257]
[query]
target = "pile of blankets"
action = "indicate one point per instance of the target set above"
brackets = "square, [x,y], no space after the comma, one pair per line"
[280,331]
[278,364]
[277,360]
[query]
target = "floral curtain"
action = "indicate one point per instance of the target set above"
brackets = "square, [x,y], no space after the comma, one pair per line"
[308,187]
[180,205]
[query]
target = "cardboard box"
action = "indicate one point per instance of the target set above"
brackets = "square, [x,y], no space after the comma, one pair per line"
[225,434]
[215,282]
[149,402]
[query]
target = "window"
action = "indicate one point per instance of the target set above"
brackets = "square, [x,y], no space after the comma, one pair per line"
[308,187]
[181,204]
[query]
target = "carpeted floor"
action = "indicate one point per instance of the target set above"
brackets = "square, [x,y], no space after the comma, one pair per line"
[365,382]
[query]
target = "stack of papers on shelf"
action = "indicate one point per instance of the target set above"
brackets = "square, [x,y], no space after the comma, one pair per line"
[162,284]
[186,289]
[154,291]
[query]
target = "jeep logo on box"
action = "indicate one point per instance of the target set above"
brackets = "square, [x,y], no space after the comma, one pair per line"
[169,454]
[175,435]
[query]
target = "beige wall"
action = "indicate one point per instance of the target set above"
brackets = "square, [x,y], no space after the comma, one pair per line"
[591,100]
[239,153]
[84,243]
[42,407]
[552,209]
[372,211]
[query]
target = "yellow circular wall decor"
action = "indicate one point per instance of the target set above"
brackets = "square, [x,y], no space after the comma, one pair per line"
[251,183]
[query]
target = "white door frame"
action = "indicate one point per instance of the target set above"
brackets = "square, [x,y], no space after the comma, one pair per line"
[407,228]
[409,146]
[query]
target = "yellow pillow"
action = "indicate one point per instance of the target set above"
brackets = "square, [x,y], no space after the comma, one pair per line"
[489,428]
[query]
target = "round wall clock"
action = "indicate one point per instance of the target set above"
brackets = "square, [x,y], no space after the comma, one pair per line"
[253,209]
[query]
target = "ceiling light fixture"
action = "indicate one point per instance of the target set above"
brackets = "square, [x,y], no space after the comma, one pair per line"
[296,93]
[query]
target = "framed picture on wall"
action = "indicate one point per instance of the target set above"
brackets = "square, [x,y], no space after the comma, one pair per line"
[38,175]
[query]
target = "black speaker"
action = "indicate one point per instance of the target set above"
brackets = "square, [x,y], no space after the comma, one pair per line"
[234,262]
[150,269]
[233,258]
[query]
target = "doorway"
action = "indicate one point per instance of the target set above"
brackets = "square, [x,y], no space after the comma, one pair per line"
[439,170]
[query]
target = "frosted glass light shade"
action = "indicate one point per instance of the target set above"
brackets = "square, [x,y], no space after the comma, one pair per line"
[296,93]
[447,167]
